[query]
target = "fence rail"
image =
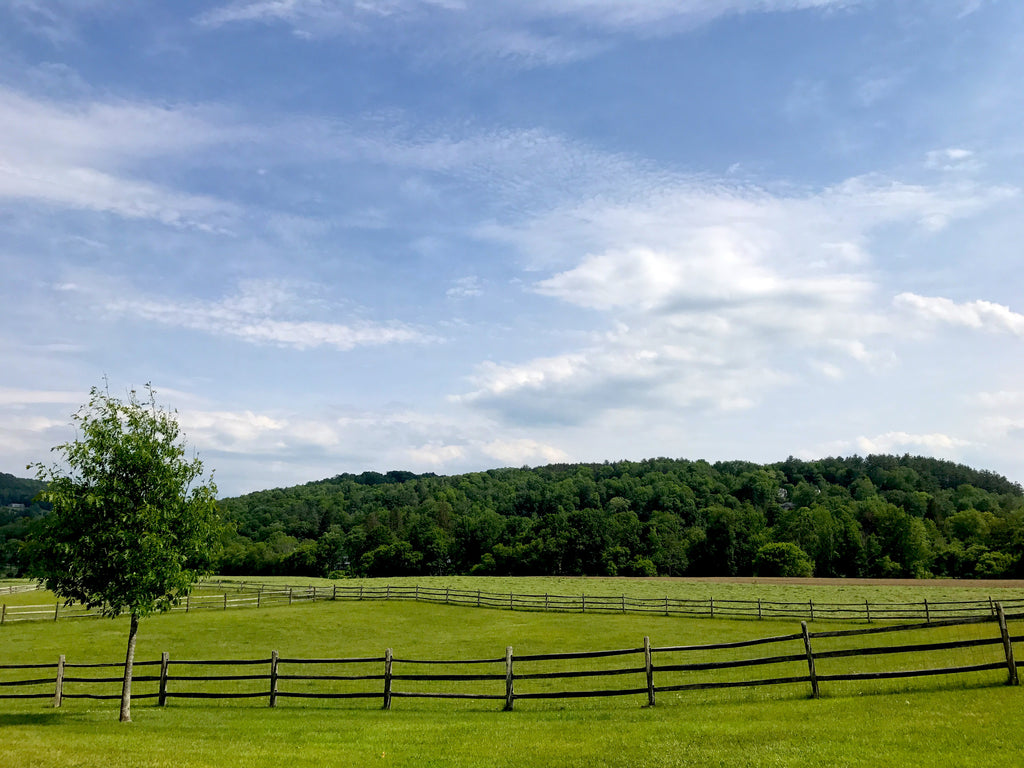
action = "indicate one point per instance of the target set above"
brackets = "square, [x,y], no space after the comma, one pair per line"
[808,659]
[226,595]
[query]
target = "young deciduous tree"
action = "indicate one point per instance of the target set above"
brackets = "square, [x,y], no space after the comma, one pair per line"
[133,519]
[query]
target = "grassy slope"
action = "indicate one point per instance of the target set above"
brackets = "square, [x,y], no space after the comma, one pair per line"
[917,725]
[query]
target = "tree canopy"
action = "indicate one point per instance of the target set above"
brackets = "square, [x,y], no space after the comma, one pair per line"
[132,518]
[874,516]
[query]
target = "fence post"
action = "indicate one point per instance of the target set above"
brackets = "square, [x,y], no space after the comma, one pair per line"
[478,598]
[3,614]
[360,591]
[289,595]
[188,601]
[387,593]
[545,601]
[623,603]
[666,605]
[509,693]
[225,601]
[388,658]
[334,593]
[811,604]
[446,590]
[1011,665]
[927,613]
[759,608]
[56,610]
[273,678]
[58,691]
[259,594]
[810,661]
[165,660]
[867,610]
[583,603]
[712,604]
[510,606]
[416,598]
[992,607]
[649,666]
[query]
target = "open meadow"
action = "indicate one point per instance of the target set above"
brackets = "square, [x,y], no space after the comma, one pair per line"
[966,720]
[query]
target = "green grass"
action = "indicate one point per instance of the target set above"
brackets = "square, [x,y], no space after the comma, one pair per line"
[968,720]
[849,591]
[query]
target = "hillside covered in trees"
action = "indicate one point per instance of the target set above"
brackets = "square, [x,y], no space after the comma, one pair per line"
[17,510]
[880,516]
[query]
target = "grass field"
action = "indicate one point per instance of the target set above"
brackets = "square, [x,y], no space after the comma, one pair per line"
[966,721]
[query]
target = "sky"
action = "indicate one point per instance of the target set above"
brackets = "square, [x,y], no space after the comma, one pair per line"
[451,235]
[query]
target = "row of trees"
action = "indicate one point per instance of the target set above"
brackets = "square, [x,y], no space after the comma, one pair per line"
[880,516]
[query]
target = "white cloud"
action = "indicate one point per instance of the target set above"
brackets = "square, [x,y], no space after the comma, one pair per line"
[977,315]
[259,314]
[951,159]
[902,442]
[86,155]
[465,287]
[516,452]
[718,292]
[10,396]
[530,32]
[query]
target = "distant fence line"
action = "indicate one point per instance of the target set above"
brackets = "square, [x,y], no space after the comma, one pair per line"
[254,595]
[803,658]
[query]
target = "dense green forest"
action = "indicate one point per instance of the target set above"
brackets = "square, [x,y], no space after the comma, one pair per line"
[881,516]
[17,510]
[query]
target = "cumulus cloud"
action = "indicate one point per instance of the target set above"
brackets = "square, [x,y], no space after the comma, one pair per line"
[717,293]
[977,315]
[902,442]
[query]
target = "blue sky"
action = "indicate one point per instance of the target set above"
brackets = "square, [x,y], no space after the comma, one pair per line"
[449,235]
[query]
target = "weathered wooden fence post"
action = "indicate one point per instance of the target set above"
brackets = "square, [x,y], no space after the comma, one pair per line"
[927,613]
[334,593]
[509,681]
[188,601]
[225,601]
[478,598]
[3,614]
[811,604]
[259,595]
[165,661]
[545,601]
[58,690]
[867,610]
[1011,665]
[273,678]
[388,659]
[623,603]
[666,605]
[56,610]
[810,661]
[711,602]
[649,667]
[583,603]
[510,606]
[289,595]
[759,608]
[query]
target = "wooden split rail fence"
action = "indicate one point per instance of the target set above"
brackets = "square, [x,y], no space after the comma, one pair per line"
[225,595]
[950,647]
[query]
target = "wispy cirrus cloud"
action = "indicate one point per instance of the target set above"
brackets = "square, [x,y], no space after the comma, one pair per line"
[528,32]
[263,312]
[90,155]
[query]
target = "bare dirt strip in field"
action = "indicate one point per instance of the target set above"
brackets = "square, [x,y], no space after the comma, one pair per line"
[838,582]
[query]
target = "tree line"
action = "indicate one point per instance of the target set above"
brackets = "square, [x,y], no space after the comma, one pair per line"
[879,516]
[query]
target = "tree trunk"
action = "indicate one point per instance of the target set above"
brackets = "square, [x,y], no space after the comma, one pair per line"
[129,659]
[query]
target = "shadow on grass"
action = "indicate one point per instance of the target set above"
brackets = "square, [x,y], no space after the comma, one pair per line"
[26,718]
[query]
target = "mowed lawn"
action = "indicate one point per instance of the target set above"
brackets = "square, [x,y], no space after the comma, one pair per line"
[967,721]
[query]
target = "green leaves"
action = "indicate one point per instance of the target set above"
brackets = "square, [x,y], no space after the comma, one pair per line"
[132,516]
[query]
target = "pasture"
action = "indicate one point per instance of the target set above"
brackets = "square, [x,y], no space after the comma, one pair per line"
[965,720]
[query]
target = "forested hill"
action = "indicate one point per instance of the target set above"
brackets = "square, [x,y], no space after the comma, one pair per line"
[16,512]
[876,516]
